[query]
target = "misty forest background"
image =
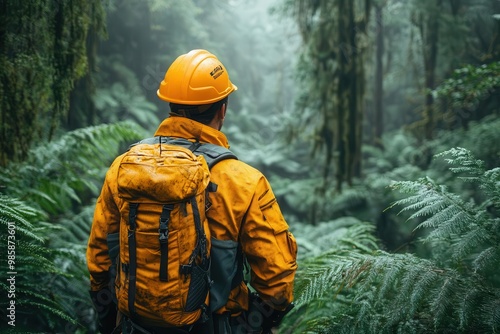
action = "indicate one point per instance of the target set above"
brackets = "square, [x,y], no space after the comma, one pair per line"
[377,123]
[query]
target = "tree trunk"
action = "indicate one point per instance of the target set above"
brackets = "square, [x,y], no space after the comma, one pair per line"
[344,82]
[430,38]
[331,30]
[379,82]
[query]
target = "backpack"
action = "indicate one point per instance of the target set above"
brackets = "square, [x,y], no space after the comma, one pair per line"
[162,261]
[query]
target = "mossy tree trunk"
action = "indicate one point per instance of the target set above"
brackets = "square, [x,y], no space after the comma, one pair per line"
[379,76]
[42,54]
[333,33]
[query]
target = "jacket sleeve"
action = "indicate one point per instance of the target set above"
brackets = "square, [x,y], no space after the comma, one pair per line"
[106,220]
[270,248]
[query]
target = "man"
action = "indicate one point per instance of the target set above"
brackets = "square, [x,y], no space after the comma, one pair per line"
[245,222]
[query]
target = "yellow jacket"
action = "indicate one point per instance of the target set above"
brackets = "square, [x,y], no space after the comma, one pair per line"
[244,212]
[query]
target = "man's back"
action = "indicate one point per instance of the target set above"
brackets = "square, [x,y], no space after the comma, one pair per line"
[244,212]
[244,219]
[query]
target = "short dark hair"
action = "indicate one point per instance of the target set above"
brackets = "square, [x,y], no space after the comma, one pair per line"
[204,113]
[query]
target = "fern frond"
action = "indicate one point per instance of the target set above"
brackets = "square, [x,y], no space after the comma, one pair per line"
[35,264]
[491,185]
[343,234]
[467,233]
[426,280]
[491,309]
[389,279]
[470,242]
[427,207]
[58,178]
[444,213]
[54,171]
[488,180]
[465,161]
[320,284]
[449,216]
[389,293]
[471,302]
[16,213]
[431,199]
[52,309]
[488,258]
[442,303]
[76,228]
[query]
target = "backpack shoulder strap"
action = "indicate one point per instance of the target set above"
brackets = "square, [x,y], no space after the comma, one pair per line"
[214,153]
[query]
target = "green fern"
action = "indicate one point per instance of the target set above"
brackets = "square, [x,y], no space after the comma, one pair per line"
[372,291]
[342,235]
[76,228]
[58,184]
[56,172]
[32,261]
[123,97]
[389,293]
[319,281]
[466,229]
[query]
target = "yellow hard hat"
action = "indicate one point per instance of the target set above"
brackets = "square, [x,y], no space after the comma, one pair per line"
[195,78]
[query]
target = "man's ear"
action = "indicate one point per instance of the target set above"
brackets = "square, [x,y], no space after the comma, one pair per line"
[222,111]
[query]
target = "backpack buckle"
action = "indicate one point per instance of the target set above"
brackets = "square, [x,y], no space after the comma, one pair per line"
[164,219]
[163,235]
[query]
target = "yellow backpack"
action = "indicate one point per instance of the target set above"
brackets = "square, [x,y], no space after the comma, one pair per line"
[163,265]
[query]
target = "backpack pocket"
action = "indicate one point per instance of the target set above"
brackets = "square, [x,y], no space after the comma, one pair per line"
[154,295]
[224,271]
[198,287]
[146,177]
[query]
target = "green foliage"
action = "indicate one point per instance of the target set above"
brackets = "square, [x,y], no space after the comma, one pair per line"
[462,231]
[392,293]
[42,54]
[144,38]
[345,283]
[341,236]
[480,137]
[470,84]
[52,174]
[372,291]
[319,285]
[58,184]
[405,158]
[467,94]
[123,99]
[30,266]
[402,158]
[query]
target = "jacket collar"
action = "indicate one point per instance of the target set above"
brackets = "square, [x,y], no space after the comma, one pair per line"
[181,127]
